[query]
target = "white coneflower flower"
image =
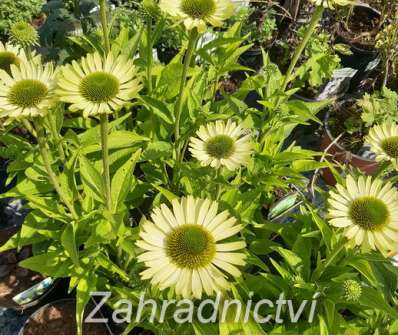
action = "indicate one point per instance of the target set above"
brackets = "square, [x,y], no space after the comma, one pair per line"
[222,144]
[332,3]
[183,250]
[28,90]
[23,34]
[10,54]
[367,209]
[197,13]
[97,86]
[383,141]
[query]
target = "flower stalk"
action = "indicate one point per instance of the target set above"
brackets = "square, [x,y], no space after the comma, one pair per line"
[104,24]
[104,122]
[193,38]
[316,17]
[149,54]
[43,147]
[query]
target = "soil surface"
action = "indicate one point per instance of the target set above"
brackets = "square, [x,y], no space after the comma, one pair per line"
[362,28]
[60,319]
[14,279]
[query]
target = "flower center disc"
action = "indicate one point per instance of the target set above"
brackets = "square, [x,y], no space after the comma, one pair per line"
[369,213]
[220,146]
[6,59]
[190,246]
[27,93]
[198,9]
[390,146]
[99,87]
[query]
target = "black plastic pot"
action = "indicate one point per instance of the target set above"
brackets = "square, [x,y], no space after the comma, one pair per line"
[63,302]
[365,57]
[5,235]
[252,58]
[166,55]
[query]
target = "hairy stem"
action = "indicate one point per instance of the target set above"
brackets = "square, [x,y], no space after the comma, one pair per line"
[193,37]
[44,152]
[104,124]
[149,54]
[104,24]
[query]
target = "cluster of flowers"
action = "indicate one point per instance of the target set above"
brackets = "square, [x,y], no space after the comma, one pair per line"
[182,245]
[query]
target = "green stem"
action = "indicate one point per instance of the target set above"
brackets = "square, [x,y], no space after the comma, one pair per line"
[193,37]
[43,147]
[215,86]
[57,138]
[386,73]
[299,50]
[149,54]
[149,70]
[218,184]
[104,23]
[104,124]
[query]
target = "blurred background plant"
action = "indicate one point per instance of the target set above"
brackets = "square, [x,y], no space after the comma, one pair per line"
[259,24]
[387,43]
[12,11]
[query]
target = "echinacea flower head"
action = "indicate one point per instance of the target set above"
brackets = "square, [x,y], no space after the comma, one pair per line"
[198,13]
[352,290]
[383,140]
[10,54]
[23,34]
[331,3]
[28,90]
[98,86]
[183,249]
[222,144]
[367,209]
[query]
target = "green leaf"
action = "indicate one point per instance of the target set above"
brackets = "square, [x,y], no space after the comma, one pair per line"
[123,181]
[373,299]
[204,328]
[84,288]
[290,257]
[159,108]
[301,109]
[116,140]
[166,193]
[27,187]
[93,136]
[111,267]
[52,263]
[93,183]
[156,150]
[305,165]
[48,206]
[68,241]
[170,79]
[326,231]
[365,267]
[67,178]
